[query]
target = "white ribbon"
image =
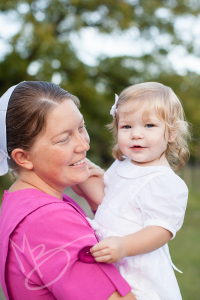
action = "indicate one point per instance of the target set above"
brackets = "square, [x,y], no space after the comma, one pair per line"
[113,110]
[3,141]
[166,251]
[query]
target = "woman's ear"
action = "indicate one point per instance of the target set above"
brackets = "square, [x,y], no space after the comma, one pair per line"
[22,158]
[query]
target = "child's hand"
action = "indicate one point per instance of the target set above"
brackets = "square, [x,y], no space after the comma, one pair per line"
[95,170]
[109,250]
[93,188]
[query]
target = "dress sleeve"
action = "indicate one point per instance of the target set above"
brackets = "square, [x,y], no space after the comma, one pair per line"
[109,174]
[163,202]
[56,238]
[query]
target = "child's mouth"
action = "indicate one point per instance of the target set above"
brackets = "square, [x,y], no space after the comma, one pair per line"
[137,147]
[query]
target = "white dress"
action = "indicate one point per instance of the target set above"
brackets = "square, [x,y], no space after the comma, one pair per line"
[137,197]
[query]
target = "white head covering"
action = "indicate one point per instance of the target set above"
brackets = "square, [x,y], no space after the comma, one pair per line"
[3,141]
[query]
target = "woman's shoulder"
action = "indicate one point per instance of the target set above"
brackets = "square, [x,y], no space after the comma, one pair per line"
[53,210]
[54,224]
[30,207]
[56,219]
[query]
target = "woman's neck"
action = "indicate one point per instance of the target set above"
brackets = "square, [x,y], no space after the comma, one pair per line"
[31,181]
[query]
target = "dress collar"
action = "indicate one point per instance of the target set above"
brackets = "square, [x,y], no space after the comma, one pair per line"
[127,169]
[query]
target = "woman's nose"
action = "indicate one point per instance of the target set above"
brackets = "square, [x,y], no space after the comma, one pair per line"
[82,143]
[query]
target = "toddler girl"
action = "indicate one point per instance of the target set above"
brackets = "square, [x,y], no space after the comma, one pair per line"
[145,201]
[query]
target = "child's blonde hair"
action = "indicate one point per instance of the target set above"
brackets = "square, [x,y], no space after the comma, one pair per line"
[168,108]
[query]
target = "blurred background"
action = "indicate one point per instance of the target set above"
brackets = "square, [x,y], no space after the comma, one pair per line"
[96,48]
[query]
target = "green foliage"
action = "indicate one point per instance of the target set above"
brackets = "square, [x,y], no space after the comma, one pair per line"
[185,249]
[5,183]
[45,39]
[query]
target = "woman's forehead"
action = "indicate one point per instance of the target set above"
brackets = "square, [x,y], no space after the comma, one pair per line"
[65,116]
[65,110]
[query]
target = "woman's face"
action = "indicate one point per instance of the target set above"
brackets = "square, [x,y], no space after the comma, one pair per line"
[58,155]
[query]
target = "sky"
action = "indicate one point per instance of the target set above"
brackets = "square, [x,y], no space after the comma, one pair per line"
[128,44]
[90,44]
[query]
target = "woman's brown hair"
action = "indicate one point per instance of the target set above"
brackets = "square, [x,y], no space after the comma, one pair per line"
[28,107]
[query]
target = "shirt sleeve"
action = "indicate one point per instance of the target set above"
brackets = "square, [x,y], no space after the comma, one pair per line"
[55,236]
[163,202]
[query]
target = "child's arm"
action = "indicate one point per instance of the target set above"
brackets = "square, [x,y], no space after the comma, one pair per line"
[93,188]
[112,249]
[149,238]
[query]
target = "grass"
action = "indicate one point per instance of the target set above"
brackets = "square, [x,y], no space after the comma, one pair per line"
[185,251]
[5,183]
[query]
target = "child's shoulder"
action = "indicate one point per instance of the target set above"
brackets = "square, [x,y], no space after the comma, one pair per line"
[168,180]
[173,178]
[114,166]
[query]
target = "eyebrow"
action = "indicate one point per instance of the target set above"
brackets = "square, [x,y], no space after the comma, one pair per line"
[145,119]
[150,119]
[68,130]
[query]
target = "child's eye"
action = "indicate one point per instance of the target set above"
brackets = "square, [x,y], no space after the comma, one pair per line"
[126,126]
[149,125]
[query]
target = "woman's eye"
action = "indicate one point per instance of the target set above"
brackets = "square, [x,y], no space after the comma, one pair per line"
[82,127]
[149,125]
[64,140]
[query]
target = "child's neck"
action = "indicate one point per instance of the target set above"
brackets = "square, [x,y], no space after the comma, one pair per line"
[162,161]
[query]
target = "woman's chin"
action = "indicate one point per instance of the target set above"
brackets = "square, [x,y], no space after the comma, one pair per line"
[82,177]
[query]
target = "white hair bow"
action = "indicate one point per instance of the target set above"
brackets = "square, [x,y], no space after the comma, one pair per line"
[113,110]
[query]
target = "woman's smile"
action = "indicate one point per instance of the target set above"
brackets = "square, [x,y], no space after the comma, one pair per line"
[80,163]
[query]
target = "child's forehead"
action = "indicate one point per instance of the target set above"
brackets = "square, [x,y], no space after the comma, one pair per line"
[145,110]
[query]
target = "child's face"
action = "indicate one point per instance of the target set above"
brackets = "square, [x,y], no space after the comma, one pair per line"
[142,140]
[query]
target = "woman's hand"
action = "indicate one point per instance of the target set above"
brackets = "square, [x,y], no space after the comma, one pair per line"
[109,250]
[117,296]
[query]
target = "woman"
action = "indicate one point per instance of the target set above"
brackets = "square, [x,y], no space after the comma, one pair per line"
[44,235]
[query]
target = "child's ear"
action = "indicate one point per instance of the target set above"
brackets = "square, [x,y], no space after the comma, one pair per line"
[21,158]
[173,134]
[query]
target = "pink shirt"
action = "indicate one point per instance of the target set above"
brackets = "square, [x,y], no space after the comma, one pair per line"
[41,260]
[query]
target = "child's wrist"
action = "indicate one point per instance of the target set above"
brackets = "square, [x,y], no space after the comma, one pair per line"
[128,245]
[125,251]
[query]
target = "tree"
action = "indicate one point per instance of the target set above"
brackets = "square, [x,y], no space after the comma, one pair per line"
[44,43]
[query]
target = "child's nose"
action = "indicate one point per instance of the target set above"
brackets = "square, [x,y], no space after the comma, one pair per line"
[136,133]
